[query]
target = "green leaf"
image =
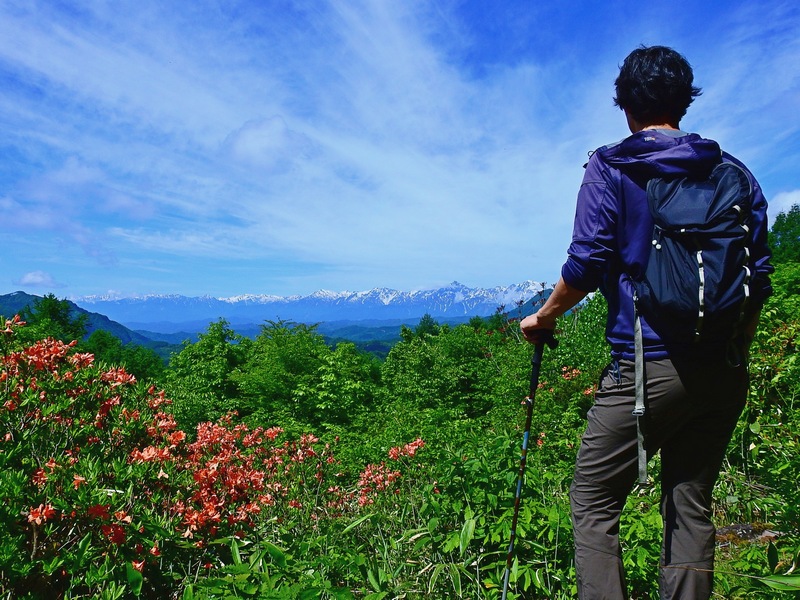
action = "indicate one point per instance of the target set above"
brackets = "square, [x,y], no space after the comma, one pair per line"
[135,579]
[188,593]
[786,583]
[467,533]
[357,522]
[373,581]
[433,523]
[51,566]
[451,543]
[772,557]
[237,558]
[247,588]
[278,555]
[437,570]
[83,545]
[455,578]
[237,569]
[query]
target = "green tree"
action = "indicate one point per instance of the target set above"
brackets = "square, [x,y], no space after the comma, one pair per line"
[105,346]
[448,370]
[427,326]
[139,361]
[200,378]
[343,387]
[282,358]
[51,317]
[784,237]
[786,290]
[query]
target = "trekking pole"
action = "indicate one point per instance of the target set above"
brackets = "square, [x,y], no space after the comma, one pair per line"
[536,363]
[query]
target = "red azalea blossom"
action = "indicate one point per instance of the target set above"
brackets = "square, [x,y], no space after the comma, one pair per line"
[39,477]
[114,533]
[157,398]
[118,376]
[99,511]
[273,432]
[409,449]
[121,515]
[14,323]
[236,475]
[81,360]
[41,513]
[150,454]
[176,437]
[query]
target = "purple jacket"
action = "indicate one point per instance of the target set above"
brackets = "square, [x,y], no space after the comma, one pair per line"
[612,232]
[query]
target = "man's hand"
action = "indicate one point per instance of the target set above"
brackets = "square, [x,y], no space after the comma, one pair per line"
[537,329]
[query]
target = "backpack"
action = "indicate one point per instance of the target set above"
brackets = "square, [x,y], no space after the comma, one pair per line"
[695,286]
[694,289]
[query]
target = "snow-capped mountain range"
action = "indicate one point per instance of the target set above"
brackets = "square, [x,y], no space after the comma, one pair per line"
[169,312]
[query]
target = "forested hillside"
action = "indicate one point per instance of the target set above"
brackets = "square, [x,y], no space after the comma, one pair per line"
[283,467]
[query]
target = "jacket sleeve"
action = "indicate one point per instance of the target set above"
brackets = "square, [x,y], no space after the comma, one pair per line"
[594,231]
[761,287]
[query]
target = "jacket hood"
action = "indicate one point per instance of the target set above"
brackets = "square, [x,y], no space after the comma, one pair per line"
[651,153]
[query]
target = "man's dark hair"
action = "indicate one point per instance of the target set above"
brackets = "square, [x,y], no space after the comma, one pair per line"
[655,83]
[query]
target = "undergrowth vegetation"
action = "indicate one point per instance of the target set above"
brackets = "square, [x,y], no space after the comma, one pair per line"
[282,468]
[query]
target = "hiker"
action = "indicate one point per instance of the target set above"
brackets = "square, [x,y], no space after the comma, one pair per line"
[694,391]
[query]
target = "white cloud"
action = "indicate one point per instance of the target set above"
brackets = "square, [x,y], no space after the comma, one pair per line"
[782,202]
[38,279]
[269,144]
[384,143]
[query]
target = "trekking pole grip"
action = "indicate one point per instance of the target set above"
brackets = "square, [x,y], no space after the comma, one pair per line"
[546,337]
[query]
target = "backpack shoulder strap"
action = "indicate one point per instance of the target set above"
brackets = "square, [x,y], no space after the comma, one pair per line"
[640,393]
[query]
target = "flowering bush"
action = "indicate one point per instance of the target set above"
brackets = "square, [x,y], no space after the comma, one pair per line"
[103,495]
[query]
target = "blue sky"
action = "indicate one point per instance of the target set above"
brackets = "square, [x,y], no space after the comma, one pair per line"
[277,147]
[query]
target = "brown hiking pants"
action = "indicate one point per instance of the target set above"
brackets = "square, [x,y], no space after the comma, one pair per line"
[692,409]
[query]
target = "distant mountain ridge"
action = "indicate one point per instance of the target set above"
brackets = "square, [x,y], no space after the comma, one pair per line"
[13,303]
[172,312]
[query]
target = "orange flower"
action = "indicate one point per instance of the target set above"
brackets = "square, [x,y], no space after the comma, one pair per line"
[39,477]
[99,511]
[176,437]
[114,533]
[123,516]
[41,514]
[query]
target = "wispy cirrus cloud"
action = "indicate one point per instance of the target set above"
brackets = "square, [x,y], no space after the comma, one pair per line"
[207,148]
